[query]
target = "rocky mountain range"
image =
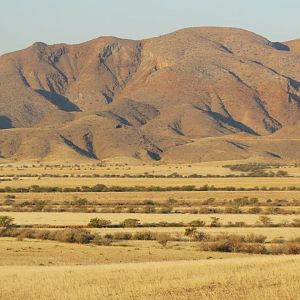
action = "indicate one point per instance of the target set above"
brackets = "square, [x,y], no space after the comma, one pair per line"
[197,94]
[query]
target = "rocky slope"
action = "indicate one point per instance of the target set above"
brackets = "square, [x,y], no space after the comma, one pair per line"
[192,95]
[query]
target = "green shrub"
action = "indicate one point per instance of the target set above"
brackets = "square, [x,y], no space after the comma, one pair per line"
[146,235]
[254,210]
[6,221]
[79,202]
[190,232]
[98,223]
[74,236]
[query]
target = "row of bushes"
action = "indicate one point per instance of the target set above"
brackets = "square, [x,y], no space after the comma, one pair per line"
[254,248]
[195,235]
[251,167]
[25,207]
[82,236]
[104,188]
[263,221]
[251,243]
[236,202]
[221,243]
[254,173]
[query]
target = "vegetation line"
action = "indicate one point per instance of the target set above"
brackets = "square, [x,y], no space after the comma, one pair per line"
[103,188]
[220,243]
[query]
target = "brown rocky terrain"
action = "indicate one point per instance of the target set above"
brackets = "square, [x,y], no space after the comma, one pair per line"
[197,94]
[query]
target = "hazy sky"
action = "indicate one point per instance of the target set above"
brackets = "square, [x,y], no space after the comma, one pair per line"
[23,22]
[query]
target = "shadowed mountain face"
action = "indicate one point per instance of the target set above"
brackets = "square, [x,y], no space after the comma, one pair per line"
[195,94]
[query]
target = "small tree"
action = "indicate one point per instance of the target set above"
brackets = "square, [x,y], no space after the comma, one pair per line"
[265,220]
[6,221]
[190,232]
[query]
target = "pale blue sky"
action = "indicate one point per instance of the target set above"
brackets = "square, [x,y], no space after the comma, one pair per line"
[23,22]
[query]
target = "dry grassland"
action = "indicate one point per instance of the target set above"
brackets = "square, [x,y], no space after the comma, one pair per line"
[251,278]
[142,269]
[69,218]
[269,232]
[131,197]
[113,169]
[37,252]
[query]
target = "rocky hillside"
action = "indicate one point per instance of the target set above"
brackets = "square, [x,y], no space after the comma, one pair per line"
[193,95]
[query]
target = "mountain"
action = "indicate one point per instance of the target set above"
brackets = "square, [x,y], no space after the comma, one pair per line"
[197,94]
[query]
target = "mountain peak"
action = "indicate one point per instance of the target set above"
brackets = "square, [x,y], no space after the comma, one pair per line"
[195,94]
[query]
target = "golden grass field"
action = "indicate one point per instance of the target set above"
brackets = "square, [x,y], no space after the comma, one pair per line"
[271,233]
[253,278]
[132,197]
[69,218]
[107,168]
[144,269]
[36,252]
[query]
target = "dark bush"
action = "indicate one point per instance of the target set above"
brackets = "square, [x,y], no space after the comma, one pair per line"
[98,223]
[146,235]
[102,241]
[6,221]
[74,236]
[122,236]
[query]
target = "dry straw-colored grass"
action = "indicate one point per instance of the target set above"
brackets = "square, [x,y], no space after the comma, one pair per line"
[269,232]
[88,169]
[246,182]
[132,197]
[37,252]
[69,218]
[47,270]
[256,278]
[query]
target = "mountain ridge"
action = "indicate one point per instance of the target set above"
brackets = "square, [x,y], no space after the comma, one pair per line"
[192,95]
